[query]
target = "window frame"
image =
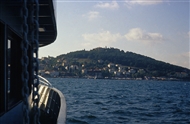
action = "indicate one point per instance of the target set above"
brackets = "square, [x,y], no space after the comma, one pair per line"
[10,99]
[15,95]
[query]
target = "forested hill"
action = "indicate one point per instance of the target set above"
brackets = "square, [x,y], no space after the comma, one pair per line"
[116,56]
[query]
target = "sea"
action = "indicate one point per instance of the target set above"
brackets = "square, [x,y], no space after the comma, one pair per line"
[99,101]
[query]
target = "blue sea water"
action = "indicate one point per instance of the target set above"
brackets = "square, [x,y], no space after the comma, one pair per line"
[92,101]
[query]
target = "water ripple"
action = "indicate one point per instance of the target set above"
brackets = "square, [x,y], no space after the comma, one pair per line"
[121,101]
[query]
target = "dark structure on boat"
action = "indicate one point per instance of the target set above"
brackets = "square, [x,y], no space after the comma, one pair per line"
[26,25]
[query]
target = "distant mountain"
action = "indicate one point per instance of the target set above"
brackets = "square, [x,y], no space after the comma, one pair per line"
[113,55]
[99,58]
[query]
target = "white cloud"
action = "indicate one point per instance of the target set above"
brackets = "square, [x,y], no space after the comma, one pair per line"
[101,39]
[143,2]
[105,38]
[137,34]
[109,5]
[92,15]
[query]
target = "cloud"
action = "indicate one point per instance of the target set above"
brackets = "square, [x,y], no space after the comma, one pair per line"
[137,34]
[101,39]
[92,15]
[104,38]
[143,2]
[109,5]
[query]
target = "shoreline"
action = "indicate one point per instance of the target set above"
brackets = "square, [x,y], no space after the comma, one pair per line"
[116,78]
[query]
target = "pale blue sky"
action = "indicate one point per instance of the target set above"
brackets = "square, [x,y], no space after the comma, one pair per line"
[154,28]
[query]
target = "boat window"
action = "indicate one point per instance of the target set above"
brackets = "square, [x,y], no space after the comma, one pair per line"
[14,85]
[9,63]
[10,69]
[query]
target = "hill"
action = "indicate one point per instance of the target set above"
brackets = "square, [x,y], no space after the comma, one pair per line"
[99,58]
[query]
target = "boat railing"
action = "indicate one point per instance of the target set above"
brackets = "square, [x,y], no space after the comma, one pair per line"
[44,81]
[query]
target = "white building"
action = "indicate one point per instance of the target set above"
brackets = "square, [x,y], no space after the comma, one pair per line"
[74,67]
[111,70]
[117,73]
[121,68]
[84,71]
[111,65]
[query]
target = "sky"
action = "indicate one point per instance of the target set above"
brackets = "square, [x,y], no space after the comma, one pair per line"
[158,29]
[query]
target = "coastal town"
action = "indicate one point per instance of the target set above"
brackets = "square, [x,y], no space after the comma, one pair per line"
[64,69]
